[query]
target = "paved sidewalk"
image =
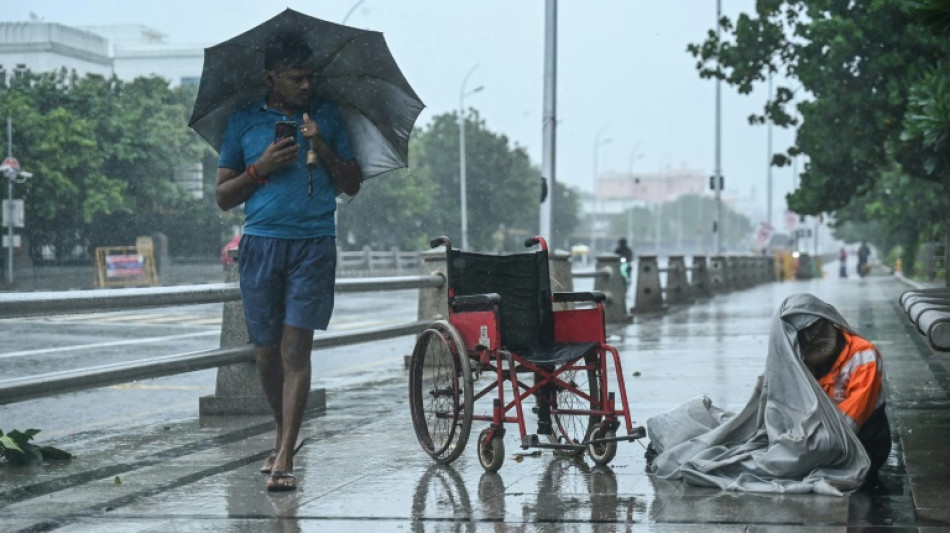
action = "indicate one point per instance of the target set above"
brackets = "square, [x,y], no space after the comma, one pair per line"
[362,468]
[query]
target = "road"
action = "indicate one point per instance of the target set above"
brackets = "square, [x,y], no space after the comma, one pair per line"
[31,346]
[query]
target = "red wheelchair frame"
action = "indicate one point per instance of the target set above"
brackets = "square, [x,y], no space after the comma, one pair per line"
[565,351]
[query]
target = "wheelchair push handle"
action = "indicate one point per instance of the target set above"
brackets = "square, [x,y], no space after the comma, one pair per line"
[537,239]
[440,241]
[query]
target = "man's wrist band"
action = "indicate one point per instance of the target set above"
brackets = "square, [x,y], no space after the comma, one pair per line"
[253,174]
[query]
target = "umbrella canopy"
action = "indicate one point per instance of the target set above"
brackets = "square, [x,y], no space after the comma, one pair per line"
[353,68]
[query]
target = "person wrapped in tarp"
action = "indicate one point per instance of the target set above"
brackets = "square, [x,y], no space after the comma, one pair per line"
[815,422]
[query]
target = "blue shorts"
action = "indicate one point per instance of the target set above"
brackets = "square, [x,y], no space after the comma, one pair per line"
[286,281]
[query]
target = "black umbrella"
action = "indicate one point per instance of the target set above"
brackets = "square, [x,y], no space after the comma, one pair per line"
[353,68]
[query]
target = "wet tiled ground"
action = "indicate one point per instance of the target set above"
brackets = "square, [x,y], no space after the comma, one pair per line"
[363,469]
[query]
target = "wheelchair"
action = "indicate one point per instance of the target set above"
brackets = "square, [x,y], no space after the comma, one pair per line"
[503,326]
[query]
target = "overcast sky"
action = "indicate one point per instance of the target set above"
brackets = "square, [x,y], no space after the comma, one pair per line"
[623,69]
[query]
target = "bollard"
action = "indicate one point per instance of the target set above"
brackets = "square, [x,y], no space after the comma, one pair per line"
[434,302]
[677,287]
[717,274]
[612,284]
[699,282]
[649,297]
[237,390]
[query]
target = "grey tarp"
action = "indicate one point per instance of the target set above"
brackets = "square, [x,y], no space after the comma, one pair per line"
[790,437]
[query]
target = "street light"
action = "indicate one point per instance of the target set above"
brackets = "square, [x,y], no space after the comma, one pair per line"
[660,178]
[594,203]
[634,156]
[352,9]
[462,177]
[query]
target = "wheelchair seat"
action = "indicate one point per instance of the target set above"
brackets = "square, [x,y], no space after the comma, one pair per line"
[523,283]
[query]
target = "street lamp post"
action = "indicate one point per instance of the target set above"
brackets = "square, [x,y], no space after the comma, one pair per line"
[352,9]
[462,177]
[596,198]
[659,205]
[634,156]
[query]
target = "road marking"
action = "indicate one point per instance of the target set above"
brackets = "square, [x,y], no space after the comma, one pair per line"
[76,347]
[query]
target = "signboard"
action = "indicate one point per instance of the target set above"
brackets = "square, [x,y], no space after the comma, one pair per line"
[13,213]
[763,233]
[125,266]
[791,220]
[10,167]
[6,241]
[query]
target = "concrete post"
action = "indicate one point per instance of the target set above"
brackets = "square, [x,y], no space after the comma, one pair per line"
[677,287]
[434,303]
[613,285]
[238,388]
[717,275]
[649,297]
[699,282]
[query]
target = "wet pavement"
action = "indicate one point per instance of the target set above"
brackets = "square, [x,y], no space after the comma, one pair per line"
[362,467]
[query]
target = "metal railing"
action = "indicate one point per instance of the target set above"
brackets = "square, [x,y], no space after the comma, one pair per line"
[19,305]
[432,300]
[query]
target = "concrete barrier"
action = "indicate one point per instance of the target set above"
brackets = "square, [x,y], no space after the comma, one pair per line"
[611,283]
[237,390]
[717,274]
[676,290]
[649,297]
[699,278]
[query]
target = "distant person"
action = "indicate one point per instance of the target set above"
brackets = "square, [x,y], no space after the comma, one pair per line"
[843,258]
[626,256]
[864,253]
[850,370]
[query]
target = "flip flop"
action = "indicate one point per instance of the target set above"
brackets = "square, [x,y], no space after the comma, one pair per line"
[281,481]
[269,462]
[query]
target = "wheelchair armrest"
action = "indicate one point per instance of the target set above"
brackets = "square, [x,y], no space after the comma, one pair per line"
[475,302]
[593,296]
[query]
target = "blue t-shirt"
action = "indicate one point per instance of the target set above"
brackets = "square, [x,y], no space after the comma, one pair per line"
[281,208]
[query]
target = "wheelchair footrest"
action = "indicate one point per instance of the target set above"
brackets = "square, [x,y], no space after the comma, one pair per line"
[638,432]
[532,441]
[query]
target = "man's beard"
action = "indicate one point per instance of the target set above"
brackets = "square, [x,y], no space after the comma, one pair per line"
[822,351]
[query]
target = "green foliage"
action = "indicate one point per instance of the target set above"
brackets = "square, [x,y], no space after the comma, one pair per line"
[17,450]
[406,208]
[870,88]
[852,67]
[103,153]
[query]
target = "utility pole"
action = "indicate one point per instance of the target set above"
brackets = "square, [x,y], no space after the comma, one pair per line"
[10,169]
[549,124]
[717,176]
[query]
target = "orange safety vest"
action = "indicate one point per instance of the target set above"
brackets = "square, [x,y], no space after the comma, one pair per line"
[855,380]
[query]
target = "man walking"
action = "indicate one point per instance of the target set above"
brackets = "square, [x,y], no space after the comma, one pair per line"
[287,257]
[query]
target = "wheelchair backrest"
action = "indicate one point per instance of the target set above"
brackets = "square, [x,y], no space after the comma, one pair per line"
[524,284]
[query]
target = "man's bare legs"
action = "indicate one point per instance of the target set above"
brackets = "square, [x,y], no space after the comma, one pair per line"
[285,378]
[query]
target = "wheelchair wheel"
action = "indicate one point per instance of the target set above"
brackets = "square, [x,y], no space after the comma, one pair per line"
[491,453]
[602,452]
[574,428]
[440,392]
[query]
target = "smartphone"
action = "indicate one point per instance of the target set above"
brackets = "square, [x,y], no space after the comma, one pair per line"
[285,128]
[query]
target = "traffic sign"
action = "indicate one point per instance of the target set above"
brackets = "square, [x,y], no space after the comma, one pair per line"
[13,213]
[10,167]
[6,241]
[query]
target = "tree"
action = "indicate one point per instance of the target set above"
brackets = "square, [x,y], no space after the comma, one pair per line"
[856,64]
[104,154]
